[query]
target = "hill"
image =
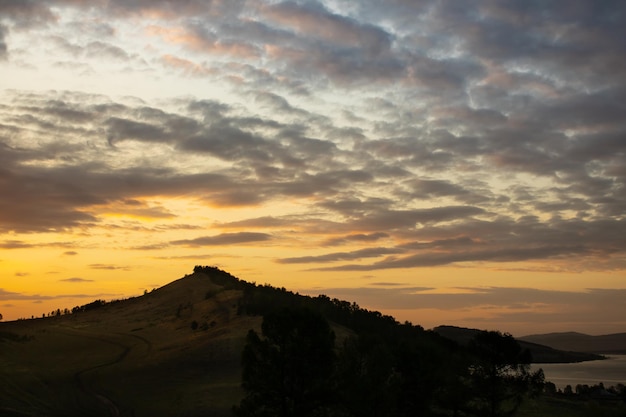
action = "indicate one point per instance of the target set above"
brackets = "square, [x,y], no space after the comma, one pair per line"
[541,352]
[604,344]
[173,351]
[186,349]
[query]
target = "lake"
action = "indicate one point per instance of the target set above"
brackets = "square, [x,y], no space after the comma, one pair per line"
[611,371]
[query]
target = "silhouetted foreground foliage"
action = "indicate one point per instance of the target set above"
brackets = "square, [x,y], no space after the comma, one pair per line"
[501,373]
[382,368]
[287,373]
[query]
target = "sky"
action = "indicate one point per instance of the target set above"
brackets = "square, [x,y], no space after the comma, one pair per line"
[444,162]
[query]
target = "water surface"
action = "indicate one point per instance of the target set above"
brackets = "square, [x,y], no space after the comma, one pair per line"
[610,372]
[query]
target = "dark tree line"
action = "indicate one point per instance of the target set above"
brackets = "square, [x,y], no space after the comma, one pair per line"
[295,368]
[383,368]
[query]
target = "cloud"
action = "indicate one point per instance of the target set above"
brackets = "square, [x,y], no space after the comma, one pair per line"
[26,13]
[313,20]
[414,133]
[224,239]
[17,296]
[201,39]
[543,303]
[15,244]
[76,280]
[395,219]
[108,267]
[341,256]
[359,237]
[3,45]
[493,255]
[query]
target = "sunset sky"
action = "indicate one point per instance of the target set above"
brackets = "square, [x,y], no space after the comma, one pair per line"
[445,162]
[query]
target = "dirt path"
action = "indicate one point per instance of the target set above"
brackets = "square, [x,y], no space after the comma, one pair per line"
[125,349]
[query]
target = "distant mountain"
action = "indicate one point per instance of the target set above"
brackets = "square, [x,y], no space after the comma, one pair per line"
[605,344]
[541,352]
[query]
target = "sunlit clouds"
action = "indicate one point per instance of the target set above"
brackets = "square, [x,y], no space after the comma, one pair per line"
[322,146]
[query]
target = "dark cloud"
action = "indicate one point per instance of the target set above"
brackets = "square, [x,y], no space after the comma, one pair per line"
[229,143]
[360,237]
[493,255]
[342,256]
[26,13]
[313,19]
[3,44]
[124,129]
[15,244]
[397,219]
[224,239]
[505,240]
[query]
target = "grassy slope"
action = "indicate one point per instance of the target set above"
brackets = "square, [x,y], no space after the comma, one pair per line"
[136,356]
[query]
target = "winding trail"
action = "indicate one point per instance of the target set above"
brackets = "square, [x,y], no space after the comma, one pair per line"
[125,350]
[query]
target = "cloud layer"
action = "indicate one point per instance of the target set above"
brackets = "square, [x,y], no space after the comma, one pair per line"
[347,136]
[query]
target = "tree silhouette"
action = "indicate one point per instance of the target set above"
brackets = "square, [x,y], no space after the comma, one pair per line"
[368,384]
[286,373]
[500,375]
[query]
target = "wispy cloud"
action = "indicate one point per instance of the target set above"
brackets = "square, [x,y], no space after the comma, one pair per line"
[224,239]
[76,280]
[18,296]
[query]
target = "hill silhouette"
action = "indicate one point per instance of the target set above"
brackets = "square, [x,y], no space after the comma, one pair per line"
[177,351]
[603,344]
[541,353]
[173,351]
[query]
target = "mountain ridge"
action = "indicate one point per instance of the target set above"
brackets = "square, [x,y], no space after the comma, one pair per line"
[541,353]
[613,343]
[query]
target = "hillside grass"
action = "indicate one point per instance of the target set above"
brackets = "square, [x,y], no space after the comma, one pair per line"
[142,355]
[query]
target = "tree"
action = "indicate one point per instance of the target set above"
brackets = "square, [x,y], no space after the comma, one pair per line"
[368,384]
[550,388]
[500,375]
[1,317]
[286,373]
